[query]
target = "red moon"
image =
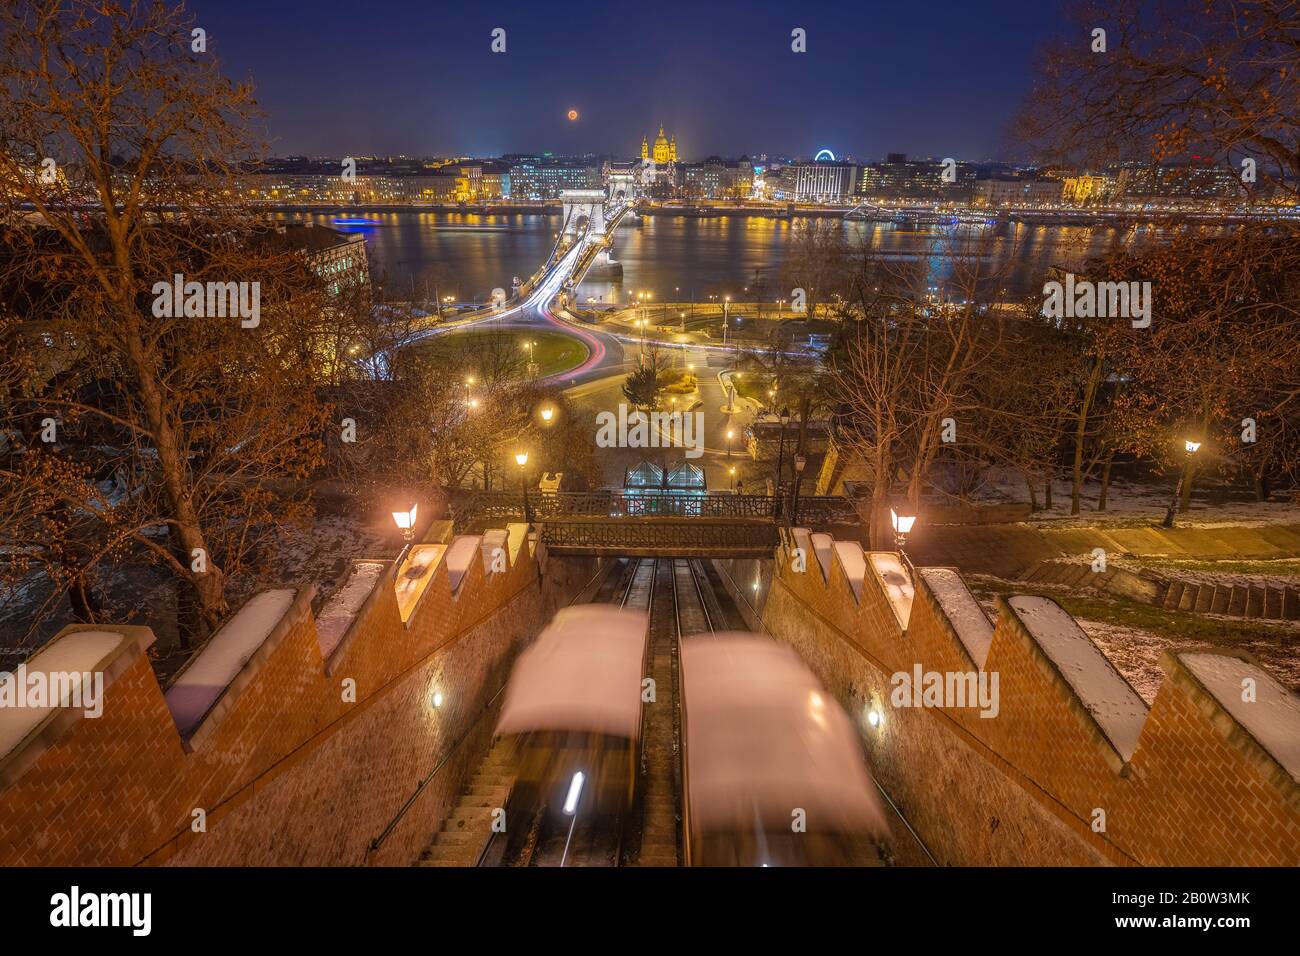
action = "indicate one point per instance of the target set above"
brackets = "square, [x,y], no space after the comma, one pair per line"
[573,114]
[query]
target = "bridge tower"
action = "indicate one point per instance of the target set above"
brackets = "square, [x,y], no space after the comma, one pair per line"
[622,185]
[584,209]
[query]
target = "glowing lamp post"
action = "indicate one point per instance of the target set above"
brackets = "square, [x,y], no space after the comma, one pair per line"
[1190,447]
[547,414]
[521,459]
[405,521]
[902,528]
[780,459]
[730,435]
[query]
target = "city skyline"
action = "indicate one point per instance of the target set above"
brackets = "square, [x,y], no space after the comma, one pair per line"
[666,71]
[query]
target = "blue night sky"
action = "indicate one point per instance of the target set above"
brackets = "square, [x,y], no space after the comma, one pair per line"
[924,77]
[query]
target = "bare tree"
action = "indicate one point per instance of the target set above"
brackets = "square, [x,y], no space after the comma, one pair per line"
[121,138]
[1176,77]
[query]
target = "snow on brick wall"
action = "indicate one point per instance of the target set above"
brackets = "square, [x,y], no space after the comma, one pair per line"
[199,685]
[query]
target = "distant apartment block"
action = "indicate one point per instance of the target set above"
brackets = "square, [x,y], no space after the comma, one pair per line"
[900,178]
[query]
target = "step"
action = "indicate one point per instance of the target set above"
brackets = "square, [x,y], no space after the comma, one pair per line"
[456,854]
[1254,602]
[1222,594]
[494,791]
[466,816]
[1187,600]
[1175,591]
[1291,604]
[1237,603]
[470,836]
[1204,598]
[1077,575]
[1273,603]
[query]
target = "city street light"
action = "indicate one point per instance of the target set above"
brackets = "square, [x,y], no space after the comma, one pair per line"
[902,528]
[799,462]
[732,472]
[730,435]
[547,414]
[1190,447]
[521,459]
[780,461]
[405,521]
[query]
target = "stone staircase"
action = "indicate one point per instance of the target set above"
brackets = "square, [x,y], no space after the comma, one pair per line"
[1263,600]
[466,830]
[1141,586]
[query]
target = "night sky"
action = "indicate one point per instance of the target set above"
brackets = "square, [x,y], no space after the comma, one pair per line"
[362,77]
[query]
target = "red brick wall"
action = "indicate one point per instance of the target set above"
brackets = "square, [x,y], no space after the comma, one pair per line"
[1023,788]
[287,772]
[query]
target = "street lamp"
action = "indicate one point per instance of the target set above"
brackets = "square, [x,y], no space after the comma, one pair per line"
[547,414]
[730,435]
[1190,447]
[902,528]
[732,472]
[780,461]
[405,521]
[726,309]
[799,462]
[521,459]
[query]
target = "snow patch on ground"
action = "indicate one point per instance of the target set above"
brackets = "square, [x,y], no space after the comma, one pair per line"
[1130,503]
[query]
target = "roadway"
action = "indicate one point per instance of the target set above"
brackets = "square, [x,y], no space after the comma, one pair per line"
[597,383]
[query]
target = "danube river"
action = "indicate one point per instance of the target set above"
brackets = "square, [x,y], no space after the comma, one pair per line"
[683,258]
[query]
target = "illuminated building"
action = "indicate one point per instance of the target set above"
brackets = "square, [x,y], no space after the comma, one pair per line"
[538,180]
[1196,181]
[900,178]
[1002,191]
[664,151]
[1087,188]
[817,181]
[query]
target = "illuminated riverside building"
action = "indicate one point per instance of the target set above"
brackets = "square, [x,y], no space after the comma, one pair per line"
[900,178]
[1087,189]
[716,179]
[538,180]
[1199,182]
[337,257]
[1001,192]
[818,181]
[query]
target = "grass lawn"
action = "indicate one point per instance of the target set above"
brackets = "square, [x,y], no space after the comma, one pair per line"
[554,352]
[1132,635]
[753,385]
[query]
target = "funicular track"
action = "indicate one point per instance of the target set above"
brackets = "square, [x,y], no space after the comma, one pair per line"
[681,599]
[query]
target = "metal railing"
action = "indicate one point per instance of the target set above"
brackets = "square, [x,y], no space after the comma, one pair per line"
[486,507]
